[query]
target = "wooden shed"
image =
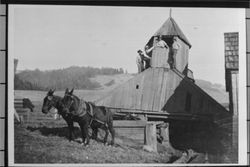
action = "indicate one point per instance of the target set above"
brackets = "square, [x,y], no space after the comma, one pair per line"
[161,89]
[171,95]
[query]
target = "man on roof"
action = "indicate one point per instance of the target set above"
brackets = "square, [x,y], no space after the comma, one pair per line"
[173,52]
[161,43]
[139,61]
[142,61]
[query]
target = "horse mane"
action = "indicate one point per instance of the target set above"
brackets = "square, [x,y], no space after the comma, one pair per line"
[76,97]
[58,100]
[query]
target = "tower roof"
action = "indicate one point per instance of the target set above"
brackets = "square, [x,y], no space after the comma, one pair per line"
[170,28]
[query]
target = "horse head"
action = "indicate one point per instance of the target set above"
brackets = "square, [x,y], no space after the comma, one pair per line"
[28,104]
[48,101]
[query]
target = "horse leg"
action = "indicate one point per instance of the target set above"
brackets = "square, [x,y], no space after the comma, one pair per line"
[85,134]
[71,130]
[112,132]
[106,135]
[94,132]
[86,131]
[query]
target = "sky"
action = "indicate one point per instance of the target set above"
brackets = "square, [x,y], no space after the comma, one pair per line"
[56,37]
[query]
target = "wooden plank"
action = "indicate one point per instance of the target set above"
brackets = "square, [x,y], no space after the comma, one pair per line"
[140,90]
[248,35]
[2,125]
[1,158]
[169,89]
[235,97]
[248,67]
[126,123]
[248,137]
[151,139]
[248,103]
[158,91]
[2,32]
[152,89]
[2,100]
[2,9]
[160,57]
[164,88]
[248,14]
[126,96]
[132,89]
[146,90]
[134,134]
[135,91]
[2,67]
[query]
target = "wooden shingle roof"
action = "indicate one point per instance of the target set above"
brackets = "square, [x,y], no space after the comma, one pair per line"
[170,28]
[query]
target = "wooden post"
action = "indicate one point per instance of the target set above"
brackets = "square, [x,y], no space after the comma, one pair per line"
[151,140]
[165,134]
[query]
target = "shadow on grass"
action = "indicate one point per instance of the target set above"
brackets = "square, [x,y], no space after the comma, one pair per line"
[63,132]
[55,131]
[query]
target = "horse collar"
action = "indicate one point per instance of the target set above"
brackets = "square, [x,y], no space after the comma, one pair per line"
[89,109]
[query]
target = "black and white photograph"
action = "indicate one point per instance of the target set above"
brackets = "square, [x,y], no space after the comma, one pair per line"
[109,85]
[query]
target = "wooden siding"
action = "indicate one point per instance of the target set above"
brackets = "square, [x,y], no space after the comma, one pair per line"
[155,86]
[160,56]
[201,102]
[164,90]
[182,56]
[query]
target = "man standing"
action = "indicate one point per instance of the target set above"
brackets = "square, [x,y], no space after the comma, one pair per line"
[139,61]
[161,43]
[173,51]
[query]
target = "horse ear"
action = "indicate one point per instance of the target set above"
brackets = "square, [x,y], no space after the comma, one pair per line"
[49,92]
[72,90]
[67,91]
[53,90]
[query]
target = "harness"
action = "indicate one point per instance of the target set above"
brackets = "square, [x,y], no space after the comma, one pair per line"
[87,108]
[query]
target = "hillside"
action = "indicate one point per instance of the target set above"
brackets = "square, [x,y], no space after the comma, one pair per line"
[217,91]
[73,77]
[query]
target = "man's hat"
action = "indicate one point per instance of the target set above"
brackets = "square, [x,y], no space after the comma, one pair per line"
[139,51]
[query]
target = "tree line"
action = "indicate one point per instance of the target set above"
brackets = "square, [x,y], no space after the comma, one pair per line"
[72,77]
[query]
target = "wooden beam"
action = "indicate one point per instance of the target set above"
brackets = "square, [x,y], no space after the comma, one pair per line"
[151,140]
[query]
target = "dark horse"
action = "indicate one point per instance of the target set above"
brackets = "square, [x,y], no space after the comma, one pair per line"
[87,114]
[51,101]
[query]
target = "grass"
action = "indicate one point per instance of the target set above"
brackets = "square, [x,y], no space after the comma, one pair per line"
[35,147]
